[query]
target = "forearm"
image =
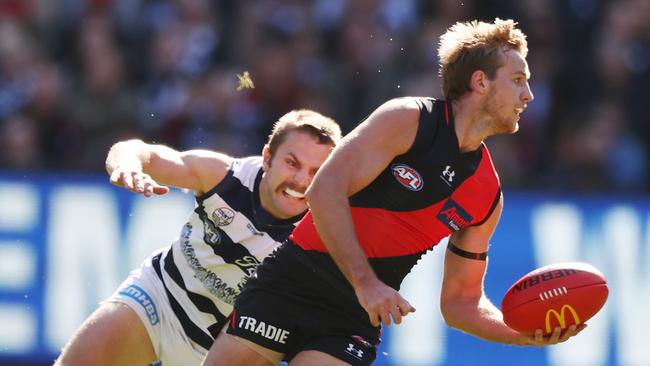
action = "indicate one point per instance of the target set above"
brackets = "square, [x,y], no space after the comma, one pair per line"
[482,319]
[333,218]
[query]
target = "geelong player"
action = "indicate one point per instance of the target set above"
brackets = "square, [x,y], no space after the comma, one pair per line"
[173,306]
[415,172]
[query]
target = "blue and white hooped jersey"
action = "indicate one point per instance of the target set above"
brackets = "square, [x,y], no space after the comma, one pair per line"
[225,238]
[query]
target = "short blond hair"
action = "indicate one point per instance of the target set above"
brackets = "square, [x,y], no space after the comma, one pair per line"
[471,46]
[325,129]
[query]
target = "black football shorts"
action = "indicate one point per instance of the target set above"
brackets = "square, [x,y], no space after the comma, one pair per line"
[295,303]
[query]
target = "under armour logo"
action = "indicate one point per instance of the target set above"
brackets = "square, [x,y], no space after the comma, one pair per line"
[448,175]
[353,351]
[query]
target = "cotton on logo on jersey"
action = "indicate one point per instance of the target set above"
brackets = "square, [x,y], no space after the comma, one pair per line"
[454,216]
[267,331]
[407,176]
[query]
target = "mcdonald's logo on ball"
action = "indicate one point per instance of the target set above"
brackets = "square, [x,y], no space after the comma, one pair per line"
[556,295]
[561,317]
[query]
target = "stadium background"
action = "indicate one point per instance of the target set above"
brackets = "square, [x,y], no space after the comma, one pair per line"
[78,75]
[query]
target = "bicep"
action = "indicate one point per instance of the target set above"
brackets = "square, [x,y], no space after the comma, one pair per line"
[463,277]
[197,170]
[362,155]
[476,239]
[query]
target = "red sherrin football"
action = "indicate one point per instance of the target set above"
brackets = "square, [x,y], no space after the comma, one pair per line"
[556,295]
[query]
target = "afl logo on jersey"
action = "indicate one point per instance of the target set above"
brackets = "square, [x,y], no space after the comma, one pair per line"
[407,176]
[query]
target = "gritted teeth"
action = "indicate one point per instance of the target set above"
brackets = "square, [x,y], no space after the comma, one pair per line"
[293,193]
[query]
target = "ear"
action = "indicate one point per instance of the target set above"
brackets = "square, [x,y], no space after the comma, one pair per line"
[480,82]
[266,158]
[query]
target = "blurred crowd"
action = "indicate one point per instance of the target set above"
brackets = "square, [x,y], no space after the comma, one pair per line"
[78,75]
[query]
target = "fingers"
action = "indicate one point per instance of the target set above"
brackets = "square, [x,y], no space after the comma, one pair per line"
[393,313]
[539,337]
[383,304]
[571,332]
[406,308]
[374,319]
[402,310]
[122,179]
[386,316]
[145,187]
[137,182]
[559,335]
[397,316]
[555,336]
[157,189]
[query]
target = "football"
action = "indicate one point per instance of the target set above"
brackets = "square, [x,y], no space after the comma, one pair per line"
[556,295]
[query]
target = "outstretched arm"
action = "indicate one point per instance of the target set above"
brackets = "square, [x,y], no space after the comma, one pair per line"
[356,162]
[463,302]
[145,168]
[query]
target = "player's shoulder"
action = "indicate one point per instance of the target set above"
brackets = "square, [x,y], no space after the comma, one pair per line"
[400,112]
[246,169]
[406,104]
[415,108]
[429,117]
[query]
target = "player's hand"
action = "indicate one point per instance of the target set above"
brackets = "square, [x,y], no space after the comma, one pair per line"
[137,182]
[558,336]
[383,304]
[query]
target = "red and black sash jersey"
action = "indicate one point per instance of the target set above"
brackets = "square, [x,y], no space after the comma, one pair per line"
[420,198]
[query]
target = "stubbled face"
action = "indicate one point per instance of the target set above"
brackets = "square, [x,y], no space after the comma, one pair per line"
[509,93]
[288,174]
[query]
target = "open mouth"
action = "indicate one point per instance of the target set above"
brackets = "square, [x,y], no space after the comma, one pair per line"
[295,194]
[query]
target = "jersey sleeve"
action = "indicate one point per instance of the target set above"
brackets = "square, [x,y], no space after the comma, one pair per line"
[246,169]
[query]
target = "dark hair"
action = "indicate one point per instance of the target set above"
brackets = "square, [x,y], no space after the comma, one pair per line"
[324,128]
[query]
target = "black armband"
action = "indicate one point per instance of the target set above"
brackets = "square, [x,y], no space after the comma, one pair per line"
[465,254]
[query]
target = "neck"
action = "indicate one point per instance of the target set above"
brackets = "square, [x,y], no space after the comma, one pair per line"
[264,195]
[471,123]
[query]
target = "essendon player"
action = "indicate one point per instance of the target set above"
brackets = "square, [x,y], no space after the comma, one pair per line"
[415,172]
